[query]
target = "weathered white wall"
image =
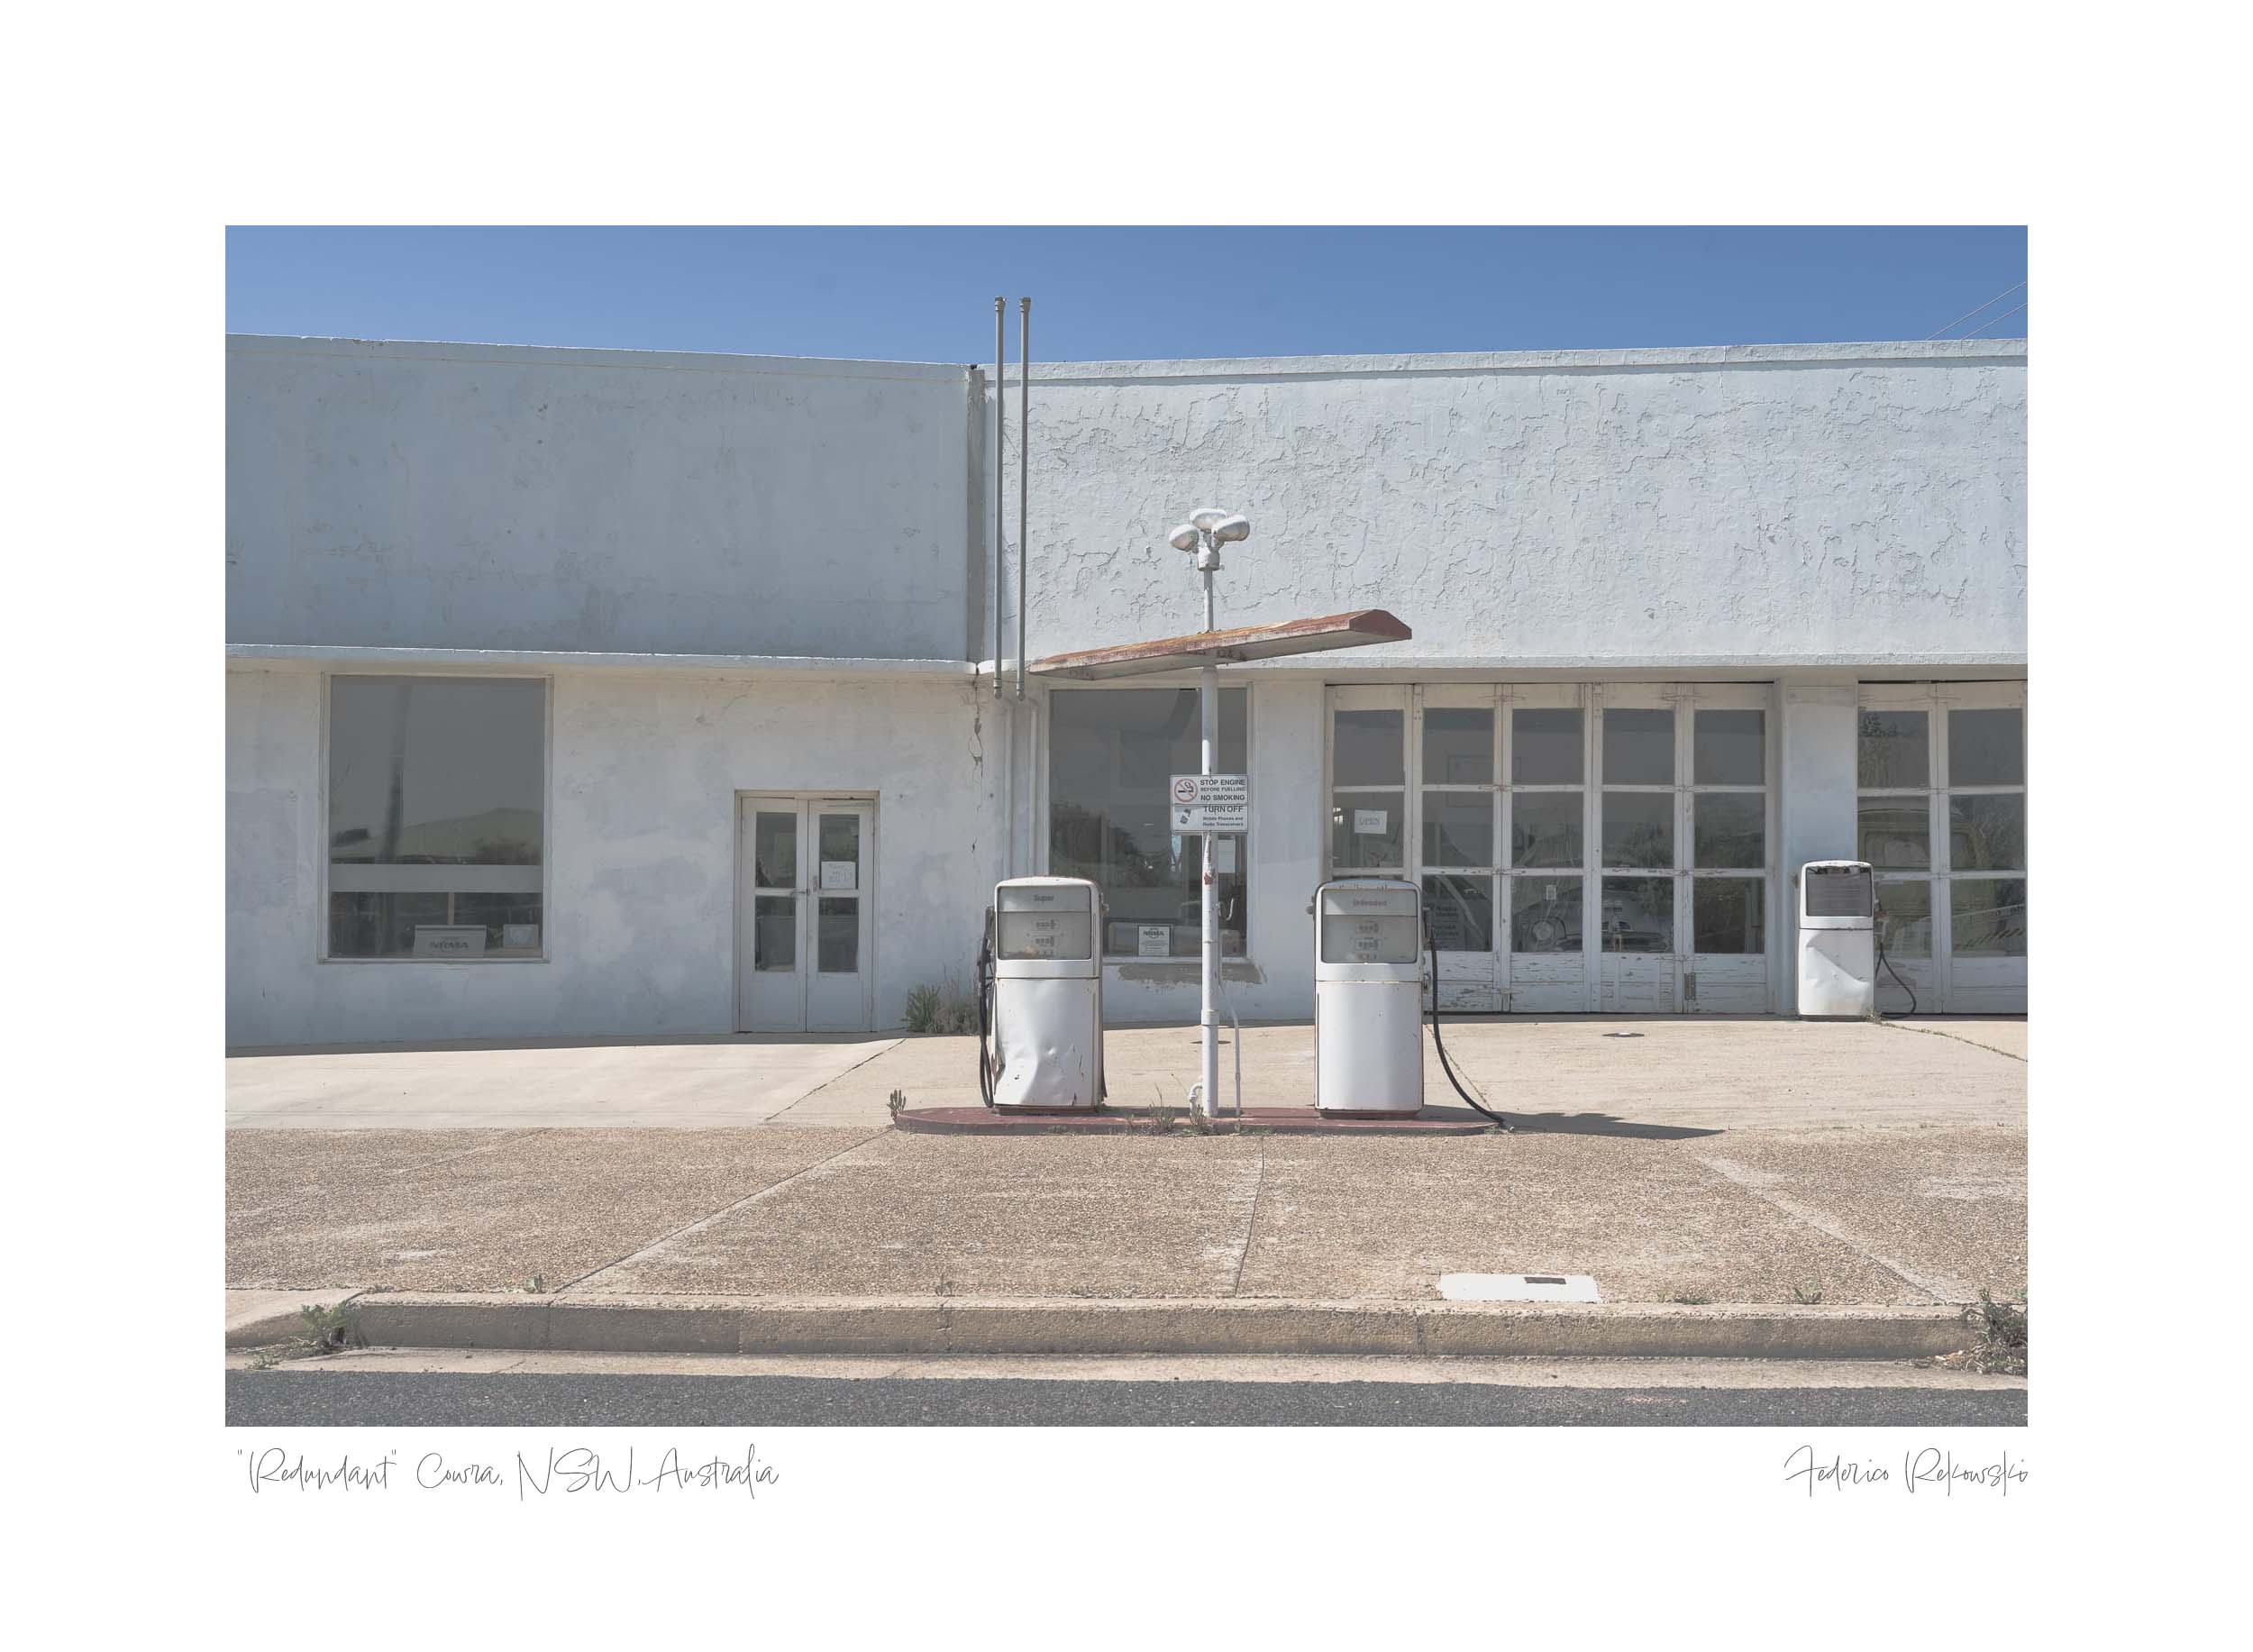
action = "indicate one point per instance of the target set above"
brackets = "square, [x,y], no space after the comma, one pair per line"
[640,912]
[457,496]
[1787,503]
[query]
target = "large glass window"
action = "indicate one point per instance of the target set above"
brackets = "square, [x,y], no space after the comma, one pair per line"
[1111,753]
[1943,821]
[436,794]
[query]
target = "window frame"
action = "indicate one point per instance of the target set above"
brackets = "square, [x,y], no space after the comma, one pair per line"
[1045,829]
[321,925]
[1939,701]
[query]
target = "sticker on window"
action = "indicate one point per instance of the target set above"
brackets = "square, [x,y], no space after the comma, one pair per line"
[1369,821]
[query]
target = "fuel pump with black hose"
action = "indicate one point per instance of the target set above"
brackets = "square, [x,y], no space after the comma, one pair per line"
[1040,996]
[1369,1003]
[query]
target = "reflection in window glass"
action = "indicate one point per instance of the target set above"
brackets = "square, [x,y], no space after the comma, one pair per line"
[774,849]
[1895,832]
[1639,828]
[1545,915]
[840,837]
[775,932]
[1905,922]
[1730,748]
[1987,917]
[1366,748]
[1894,749]
[436,817]
[1545,745]
[1458,829]
[1986,748]
[1987,833]
[1639,915]
[1458,745]
[1365,831]
[1638,747]
[1461,913]
[1727,915]
[837,947]
[1545,828]
[1111,753]
[1730,828]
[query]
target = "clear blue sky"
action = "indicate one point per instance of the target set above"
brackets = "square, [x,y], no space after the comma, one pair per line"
[926,295]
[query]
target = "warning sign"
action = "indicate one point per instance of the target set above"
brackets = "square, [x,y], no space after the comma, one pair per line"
[1212,802]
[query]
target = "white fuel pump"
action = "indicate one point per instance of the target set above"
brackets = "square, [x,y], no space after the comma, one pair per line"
[1042,996]
[1368,998]
[1838,959]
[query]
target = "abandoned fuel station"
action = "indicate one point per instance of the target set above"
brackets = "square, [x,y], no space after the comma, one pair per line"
[591,692]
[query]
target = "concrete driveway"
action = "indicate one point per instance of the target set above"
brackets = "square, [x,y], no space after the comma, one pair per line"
[682,1082]
[1582,1074]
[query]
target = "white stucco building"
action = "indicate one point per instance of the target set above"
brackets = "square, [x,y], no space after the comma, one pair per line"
[593,692]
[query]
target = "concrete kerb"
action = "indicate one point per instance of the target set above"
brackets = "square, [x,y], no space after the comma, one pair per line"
[907,1327]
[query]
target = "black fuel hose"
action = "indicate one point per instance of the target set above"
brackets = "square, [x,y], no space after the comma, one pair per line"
[1440,1045]
[1886,964]
[985,1014]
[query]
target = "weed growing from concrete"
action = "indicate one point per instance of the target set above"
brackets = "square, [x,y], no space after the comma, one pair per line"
[1807,1294]
[535,1286]
[1692,1299]
[329,1330]
[2001,1350]
[943,1008]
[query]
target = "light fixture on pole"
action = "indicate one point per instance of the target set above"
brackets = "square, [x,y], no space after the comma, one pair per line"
[1203,534]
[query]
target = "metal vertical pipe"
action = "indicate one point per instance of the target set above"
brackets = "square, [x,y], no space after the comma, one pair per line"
[1209,914]
[1024,458]
[999,410]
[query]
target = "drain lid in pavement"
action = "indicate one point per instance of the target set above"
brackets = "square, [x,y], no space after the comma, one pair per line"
[1518,1288]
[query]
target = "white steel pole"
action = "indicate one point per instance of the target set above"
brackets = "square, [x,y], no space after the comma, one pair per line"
[1209,711]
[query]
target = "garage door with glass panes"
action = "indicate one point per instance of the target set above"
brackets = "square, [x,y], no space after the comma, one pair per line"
[1942,807]
[1581,846]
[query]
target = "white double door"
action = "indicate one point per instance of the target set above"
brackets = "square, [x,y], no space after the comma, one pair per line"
[804,912]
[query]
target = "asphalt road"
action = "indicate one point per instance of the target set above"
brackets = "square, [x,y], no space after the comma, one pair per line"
[322,1398]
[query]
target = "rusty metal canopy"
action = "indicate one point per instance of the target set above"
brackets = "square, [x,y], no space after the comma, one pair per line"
[1358,629]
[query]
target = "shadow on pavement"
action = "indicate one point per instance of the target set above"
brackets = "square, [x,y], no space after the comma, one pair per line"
[1588,1124]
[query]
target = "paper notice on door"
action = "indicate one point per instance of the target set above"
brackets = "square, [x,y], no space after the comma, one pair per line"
[1153,940]
[1370,822]
[839,874]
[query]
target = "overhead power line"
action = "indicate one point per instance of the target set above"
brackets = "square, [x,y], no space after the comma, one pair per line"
[1998,321]
[1975,310]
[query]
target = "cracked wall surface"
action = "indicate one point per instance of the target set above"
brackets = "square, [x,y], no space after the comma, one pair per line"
[1785,503]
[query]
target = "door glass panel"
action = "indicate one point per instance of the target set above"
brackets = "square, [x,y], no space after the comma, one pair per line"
[1365,830]
[1545,745]
[837,944]
[1894,749]
[1730,748]
[1545,828]
[1367,749]
[774,846]
[1895,832]
[1986,748]
[1458,829]
[1545,915]
[1639,828]
[1987,834]
[1727,915]
[840,839]
[1459,745]
[1638,747]
[1904,918]
[1987,917]
[774,933]
[1639,915]
[1730,828]
[1461,913]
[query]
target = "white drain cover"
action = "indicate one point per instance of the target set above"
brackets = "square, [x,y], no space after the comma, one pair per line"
[1518,1288]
